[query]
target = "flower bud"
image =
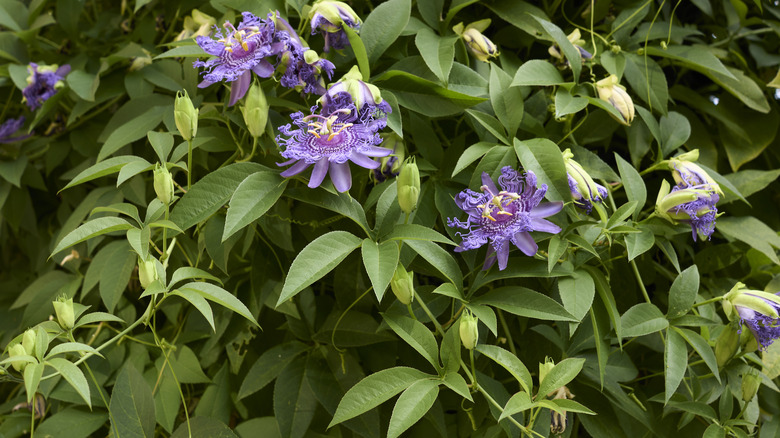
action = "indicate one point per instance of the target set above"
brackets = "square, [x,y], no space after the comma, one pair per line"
[583,189]
[726,345]
[611,91]
[479,45]
[255,110]
[688,173]
[147,272]
[751,382]
[163,184]
[330,16]
[185,115]
[28,342]
[408,186]
[390,165]
[469,330]
[402,284]
[63,307]
[695,206]
[362,93]
[544,369]
[18,350]
[575,37]
[199,24]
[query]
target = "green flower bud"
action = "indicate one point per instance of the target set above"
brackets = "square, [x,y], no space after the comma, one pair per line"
[685,171]
[727,344]
[402,284]
[390,165]
[17,350]
[63,307]
[147,272]
[610,90]
[185,115]
[335,14]
[479,45]
[163,184]
[199,24]
[751,381]
[255,110]
[408,186]
[28,342]
[545,368]
[469,330]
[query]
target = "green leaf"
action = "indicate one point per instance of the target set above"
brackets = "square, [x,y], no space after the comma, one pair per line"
[383,25]
[566,104]
[437,52]
[380,261]
[519,402]
[424,96]
[472,154]
[374,390]
[537,72]
[696,57]
[209,194]
[32,378]
[544,158]
[416,335]
[78,422]
[204,427]
[132,130]
[507,101]
[317,259]
[751,231]
[115,275]
[563,405]
[162,143]
[187,273]
[621,214]
[490,123]
[69,347]
[183,51]
[639,243]
[93,228]
[748,182]
[525,302]
[742,87]
[94,317]
[577,293]
[417,232]
[359,49]
[702,347]
[73,376]
[683,293]
[221,297]
[294,401]
[562,373]
[440,259]
[252,198]
[413,403]
[269,365]
[675,362]
[103,168]
[675,131]
[199,303]
[605,293]
[642,319]
[571,53]
[633,183]
[139,241]
[458,384]
[641,72]
[510,362]
[341,203]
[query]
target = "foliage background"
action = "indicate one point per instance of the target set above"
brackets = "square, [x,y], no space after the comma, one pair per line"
[702,72]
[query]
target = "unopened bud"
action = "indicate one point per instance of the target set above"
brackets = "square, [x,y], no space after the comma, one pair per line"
[163,184]
[612,92]
[390,165]
[402,285]
[544,369]
[147,272]
[255,110]
[751,381]
[469,330]
[63,307]
[686,172]
[185,115]
[28,342]
[726,345]
[17,350]
[408,186]
[479,45]
[330,16]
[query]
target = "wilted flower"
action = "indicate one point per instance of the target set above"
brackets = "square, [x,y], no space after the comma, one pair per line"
[583,189]
[558,420]
[9,128]
[329,17]
[408,186]
[469,330]
[195,25]
[611,91]
[688,174]
[693,205]
[402,284]
[390,165]
[43,83]
[575,37]
[185,116]
[63,307]
[504,216]
[756,309]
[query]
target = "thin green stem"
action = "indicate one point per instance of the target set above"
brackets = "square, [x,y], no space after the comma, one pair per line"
[189,164]
[628,20]
[639,281]
[505,327]
[711,300]
[251,154]
[432,318]
[338,321]
[165,233]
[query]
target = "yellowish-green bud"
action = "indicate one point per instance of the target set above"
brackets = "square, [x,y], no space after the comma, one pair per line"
[336,15]
[751,381]
[255,110]
[610,91]
[544,369]
[147,272]
[727,344]
[469,330]
[684,170]
[28,341]
[479,45]
[402,284]
[163,184]
[199,24]
[185,115]
[408,186]
[63,307]
[17,350]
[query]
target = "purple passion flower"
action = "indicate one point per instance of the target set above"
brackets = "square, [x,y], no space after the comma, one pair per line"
[329,142]
[694,205]
[352,91]
[9,128]
[43,83]
[329,18]
[504,216]
[758,310]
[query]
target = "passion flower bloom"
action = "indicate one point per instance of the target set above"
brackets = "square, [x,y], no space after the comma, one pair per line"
[694,205]
[351,89]
[9,128]
[44,82]
[329,18]
[504,216]
[758,310]
[304,70]
[329,142]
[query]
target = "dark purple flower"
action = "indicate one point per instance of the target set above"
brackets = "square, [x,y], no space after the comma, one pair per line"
[9,128]
[329,142]
[43,83]
[500,217]
[329,18]
[758,310]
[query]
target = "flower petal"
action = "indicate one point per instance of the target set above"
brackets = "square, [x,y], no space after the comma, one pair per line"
[341,177]
[488,181]
[363,161]
[544,225]
[239,87]
[264,69]
[525,243]
[297,168]
[374,151]
[490,258]
[318,173]
[503,255]
[547,209]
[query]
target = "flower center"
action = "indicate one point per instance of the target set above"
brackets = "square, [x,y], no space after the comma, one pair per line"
[238,37]
[327,126]
[500,207]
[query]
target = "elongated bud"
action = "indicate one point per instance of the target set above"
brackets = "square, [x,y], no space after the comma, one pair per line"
[544,369]
[330,16]
[469,330]
[362,92]
[402,284]
[727,344]
[479,45]
[408,186]
[390,165]
[147,272]
[751,382]
[17,350]
[185,115]
[255,110]
[163,184]
[28,342]
[610,90]
[583,188]
[688,173]
[63,307]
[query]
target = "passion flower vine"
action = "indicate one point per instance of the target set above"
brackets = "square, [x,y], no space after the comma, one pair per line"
[506,215]
[43,83]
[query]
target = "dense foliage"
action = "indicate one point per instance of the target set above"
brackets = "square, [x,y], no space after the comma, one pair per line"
[526,218]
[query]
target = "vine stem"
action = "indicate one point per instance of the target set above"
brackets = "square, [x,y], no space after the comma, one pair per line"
[711,300]
[338,321]
[189,164]
[639,281]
